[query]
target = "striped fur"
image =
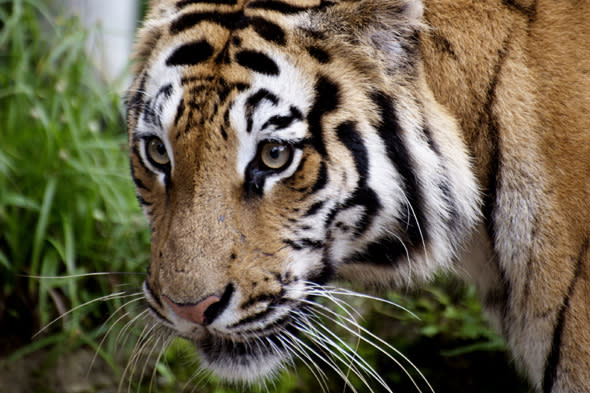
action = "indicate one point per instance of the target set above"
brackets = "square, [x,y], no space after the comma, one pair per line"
[419,134]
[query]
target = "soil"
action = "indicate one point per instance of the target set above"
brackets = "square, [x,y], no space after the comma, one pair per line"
[69,373]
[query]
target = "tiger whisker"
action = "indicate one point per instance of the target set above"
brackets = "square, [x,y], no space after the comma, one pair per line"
[123,331]
[322,340]
[148,357]
[165,345]
[322,291]
[304,357]
[96,352]
[418,225]
[200,373]
[113,325]
[329,362]
[349,352]
[142,341]
[111,296]
[81,275]
[337,319]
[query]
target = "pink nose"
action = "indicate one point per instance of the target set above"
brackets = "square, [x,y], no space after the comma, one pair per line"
[195,313]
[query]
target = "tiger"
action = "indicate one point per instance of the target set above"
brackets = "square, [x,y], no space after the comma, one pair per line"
[277,146]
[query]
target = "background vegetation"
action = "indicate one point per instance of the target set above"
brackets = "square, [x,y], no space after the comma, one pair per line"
[68,209]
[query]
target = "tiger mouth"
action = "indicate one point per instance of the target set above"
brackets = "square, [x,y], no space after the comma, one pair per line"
[246,357]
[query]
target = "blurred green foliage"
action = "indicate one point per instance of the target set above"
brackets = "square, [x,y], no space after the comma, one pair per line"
[66,205]
[67,208]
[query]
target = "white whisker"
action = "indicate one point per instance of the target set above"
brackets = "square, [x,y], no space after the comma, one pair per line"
[337,319]
[312,366]
[142,341]
[140,296]
[318,290]
[419,227]
[113,325]
[165,345]
[350,353]
[313,333]
[81,275]
[327,361]
[111,296]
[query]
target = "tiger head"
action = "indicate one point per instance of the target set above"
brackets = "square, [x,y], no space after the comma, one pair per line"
[276,145]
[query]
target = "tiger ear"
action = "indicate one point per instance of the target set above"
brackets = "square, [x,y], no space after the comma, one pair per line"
[368,14]
[387,25]
[395,29]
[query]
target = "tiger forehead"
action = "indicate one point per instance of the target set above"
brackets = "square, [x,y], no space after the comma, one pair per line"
[205,99]
[213,27]
[204,30]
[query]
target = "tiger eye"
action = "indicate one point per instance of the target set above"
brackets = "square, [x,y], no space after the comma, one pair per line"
[156,151]
[275,155]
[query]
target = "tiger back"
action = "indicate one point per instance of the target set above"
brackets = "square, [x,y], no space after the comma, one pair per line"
[276,145]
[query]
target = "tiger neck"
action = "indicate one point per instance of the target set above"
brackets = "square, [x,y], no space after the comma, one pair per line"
[464,58]
[468,55]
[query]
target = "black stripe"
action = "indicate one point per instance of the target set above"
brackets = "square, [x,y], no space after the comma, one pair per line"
[553,357]
[285,8]
[223,132]
[319,54]
[493,180]
[367,198]
[314,209]
[179,112]
[390,131]
[215,309]
[150,115]
[165,91]
[349,137]
[154,297]
[158,313]
[294,245]
[384,252]
[190,54]
[327,99]
[363,195]
[304,243]
[268,30]
[257,61]
[282,122]
[252,104]
[229,20]
[529,12]
[138,183]
[443,44]
[266,297]
[325,272]
[136,100]
[252,318]
[322,178]
[142,201]
[184,3]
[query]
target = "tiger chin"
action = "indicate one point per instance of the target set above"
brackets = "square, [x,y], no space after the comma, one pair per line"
[277,145]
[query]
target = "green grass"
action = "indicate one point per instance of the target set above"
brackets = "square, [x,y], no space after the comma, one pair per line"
[67,207]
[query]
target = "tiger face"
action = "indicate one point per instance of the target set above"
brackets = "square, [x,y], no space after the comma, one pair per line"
[277,145]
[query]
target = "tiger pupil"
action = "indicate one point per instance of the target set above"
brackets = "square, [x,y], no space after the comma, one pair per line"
[275,152]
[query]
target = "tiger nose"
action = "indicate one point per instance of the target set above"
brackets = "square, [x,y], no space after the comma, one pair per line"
[196,313]
[205,311]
